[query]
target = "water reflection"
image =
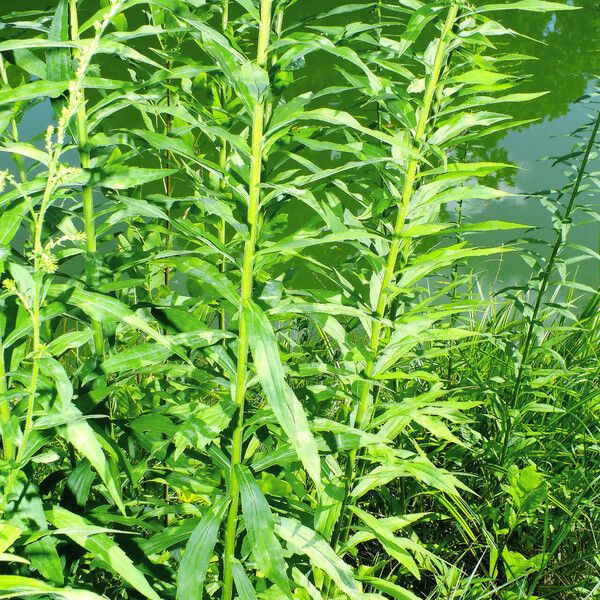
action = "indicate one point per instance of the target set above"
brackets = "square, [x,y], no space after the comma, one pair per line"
[566,59]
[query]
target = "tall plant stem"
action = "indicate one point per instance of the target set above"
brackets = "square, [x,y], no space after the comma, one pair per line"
[364,405]
[225,16]
[544,282]
[169,182]
[7,446]
[34,312]
[18,159]
[246,294]
[87,192]
[408,188]
[223,159]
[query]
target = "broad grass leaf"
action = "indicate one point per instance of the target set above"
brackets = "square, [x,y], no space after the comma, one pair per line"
[80,481]
[32,44]
[252,82]
[392,524]
[13,558]
[329,508]
[390,588]
[345,119]
[250,8]
[108,46]
[27,150]
[419,467]
[303,581]
[171,536]
[104,308]
[198,552]
[201,428]
[139,207]
[9,534]
[208,274]
[102,547]
[303,540]
[138,357]
[69,341]
[282,400]
[161,141]
[58,60]
[260,524]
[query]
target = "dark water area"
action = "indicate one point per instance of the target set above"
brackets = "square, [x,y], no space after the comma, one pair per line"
[566,49]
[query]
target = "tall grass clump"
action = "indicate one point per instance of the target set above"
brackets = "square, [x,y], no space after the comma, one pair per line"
[244,352]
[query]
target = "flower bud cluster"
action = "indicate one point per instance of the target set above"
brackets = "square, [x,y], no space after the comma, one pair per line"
[45,260]
[76,97]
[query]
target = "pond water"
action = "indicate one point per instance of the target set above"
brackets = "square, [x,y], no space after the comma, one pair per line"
[568,58]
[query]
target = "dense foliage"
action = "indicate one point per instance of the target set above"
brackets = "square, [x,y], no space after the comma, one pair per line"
[244,352]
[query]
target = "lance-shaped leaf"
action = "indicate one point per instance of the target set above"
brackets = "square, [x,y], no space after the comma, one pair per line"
[102,547]
[77,430]
[198,552]
[260,524]
[16,586]
[303,540]
[286,407]
[25,513]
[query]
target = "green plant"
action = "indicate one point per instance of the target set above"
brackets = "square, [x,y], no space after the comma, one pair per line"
[239,354]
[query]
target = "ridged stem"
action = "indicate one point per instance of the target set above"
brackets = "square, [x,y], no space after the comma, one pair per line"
[89,224]
[34,313]
[223,161]
[245,296]
[397,243]
[7,445]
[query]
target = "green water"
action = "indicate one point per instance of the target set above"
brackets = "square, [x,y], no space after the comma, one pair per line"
[567,61]
[567,58]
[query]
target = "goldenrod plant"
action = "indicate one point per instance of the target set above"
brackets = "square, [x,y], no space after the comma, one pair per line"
[244,352]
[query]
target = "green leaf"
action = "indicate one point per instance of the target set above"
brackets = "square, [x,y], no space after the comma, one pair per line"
[104,308]
[9,534]
[198,552]
[77,430]
[390,588]
[102,547]
[35,89]
[25,511]
[58,61]
[138,357]
[286,407]
[393,545]
[266,549]
[15,586]
[527,5]
[200,429]
[121,178]
[68,341]
[209,275]
[243,585]
[303,540]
